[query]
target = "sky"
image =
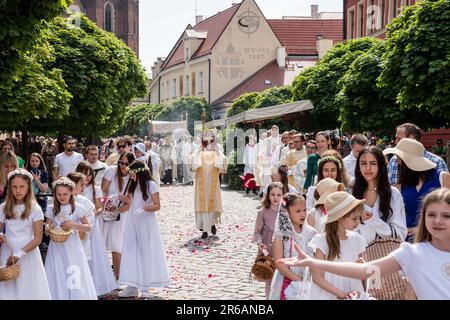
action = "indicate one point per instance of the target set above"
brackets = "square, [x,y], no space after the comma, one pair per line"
[161,22]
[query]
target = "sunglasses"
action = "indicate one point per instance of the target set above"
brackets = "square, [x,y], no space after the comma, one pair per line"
[122,146]
[121,163]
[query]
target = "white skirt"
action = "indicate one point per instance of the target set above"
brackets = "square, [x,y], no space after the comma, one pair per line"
[343,283]
[99,264]
[32,281]
[67,269]
[112,232]
[143,263]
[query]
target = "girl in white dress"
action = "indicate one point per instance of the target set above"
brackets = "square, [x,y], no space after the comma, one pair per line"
[143,264]
[66,266]
[22,218]
[115,186]
[99,263]
[426,263]
[290,229]
[338,243]
[384,210]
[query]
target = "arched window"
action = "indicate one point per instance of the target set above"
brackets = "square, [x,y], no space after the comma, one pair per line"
[109,17]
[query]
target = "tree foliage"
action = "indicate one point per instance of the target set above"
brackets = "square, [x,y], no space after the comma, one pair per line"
[321,85]
[417,59]
[20,24]
[243,103]
[364,106]
[273,96]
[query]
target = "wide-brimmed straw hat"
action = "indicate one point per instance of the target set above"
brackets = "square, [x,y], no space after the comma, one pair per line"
[412,154]
[338,204]
[327,186]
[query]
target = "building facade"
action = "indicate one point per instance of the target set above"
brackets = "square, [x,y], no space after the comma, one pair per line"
[369,17]
[238,50]
[120,17]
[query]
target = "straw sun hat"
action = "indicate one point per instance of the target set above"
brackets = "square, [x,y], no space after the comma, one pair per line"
[327,186]
[412,154]
[338,204]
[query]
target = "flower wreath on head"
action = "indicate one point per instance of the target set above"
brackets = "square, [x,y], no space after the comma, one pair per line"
[142,169]
[20,172]
[64,182]
[330,158]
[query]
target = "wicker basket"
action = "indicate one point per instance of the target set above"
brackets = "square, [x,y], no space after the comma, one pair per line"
[263,268]
[9,273]
[393,287]
[59,236]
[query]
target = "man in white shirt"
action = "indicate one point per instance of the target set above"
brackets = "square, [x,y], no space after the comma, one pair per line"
[67,161]
[357,143]
[98,166]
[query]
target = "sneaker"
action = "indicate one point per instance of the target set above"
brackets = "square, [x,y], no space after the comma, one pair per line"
[204,235]
[129,292]
[213,230]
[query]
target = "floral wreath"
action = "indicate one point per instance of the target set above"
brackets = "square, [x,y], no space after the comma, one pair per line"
[20,172]
[64,182]
[134,171]
[330,158]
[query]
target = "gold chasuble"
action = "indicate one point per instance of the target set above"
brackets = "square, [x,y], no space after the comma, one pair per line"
[291,159]
[207,166]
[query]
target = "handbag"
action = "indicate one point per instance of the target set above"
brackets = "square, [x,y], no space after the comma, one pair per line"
[299,290]
[110,211]
[393,286]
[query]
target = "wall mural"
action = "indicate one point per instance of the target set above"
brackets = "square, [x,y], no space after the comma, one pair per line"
[230,64]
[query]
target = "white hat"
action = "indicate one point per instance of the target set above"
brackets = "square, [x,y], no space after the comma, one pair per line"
[141,147]
[340,203]
[327,186]
[412,154]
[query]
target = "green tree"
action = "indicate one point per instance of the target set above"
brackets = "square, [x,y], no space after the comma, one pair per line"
[102,74]
[193,107]
[243,103]
[273,96]
[36,96]
[321,84]
[417,58]
[139,116]
[20,25]
[364,106]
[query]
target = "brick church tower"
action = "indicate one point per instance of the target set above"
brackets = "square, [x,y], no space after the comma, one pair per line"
[118,16]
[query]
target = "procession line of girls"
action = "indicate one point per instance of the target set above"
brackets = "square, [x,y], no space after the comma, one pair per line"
[73,270]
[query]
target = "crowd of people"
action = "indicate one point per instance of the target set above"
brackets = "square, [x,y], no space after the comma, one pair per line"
[321,198]
[320,206]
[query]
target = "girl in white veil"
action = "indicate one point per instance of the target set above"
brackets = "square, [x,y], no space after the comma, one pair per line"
[290,229]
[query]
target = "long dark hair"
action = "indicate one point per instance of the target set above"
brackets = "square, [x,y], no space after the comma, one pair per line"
[130,157]
[409,177]
[41,162]
[143,177]
[266,202]
[84,168]
[283,172]
[383,185]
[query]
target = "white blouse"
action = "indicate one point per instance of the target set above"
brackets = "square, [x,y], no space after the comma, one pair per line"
[376,226]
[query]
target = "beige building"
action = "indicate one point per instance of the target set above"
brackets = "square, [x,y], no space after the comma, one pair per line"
[236,51]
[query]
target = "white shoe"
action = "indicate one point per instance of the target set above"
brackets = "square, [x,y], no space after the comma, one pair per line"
[146,294]
[129,292]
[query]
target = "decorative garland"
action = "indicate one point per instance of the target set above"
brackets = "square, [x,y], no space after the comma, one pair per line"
[330,158]
[20,172]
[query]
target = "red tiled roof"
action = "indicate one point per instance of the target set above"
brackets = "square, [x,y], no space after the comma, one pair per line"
[215,25]
[256,82]
[299,36]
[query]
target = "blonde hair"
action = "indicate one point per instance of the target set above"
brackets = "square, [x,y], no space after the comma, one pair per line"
[441,194]
[7,157]
[10,201]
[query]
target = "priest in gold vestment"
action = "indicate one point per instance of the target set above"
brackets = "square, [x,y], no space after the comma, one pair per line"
[208,162]
[293,156]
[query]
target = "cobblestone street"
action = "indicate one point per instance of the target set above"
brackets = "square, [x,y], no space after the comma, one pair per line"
[214,268]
